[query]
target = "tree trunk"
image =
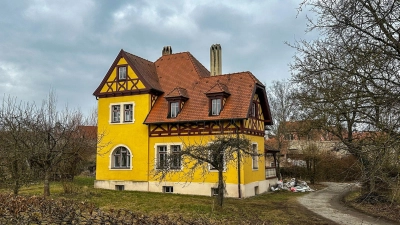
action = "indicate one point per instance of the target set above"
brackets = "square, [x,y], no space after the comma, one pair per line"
[46,187]
[16,187]
[16,177]
[221,188]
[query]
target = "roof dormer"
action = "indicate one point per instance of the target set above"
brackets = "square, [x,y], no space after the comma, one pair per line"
[217,96]
[176,100]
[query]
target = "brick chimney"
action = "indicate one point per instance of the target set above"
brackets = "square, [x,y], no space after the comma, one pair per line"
[167,50]
[215,60]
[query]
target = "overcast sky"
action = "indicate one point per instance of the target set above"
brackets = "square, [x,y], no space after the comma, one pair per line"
[68,46]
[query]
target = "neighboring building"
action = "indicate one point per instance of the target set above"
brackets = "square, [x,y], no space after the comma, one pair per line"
[302,134]
[150,109]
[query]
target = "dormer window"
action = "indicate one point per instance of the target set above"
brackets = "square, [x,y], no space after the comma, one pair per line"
[174,109]
[217,96]
[176,99]
[215,106]
[122,73]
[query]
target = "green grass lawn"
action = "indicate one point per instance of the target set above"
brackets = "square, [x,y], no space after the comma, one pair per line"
[271,208]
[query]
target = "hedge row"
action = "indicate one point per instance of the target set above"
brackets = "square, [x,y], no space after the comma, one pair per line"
[38,210]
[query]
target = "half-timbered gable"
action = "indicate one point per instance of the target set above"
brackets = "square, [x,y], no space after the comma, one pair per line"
[129,75]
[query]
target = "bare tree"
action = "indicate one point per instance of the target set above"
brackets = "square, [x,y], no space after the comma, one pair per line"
[282,110]
[42,140]
[348,80]
[56,138]
[217,154]
[14,157]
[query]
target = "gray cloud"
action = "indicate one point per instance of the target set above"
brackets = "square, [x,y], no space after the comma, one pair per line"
[69,46]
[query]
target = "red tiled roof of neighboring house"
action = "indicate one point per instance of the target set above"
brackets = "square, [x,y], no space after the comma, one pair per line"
[268,146]
[88,131]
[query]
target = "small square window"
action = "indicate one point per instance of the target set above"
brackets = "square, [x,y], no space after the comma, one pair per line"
[119,187]
[168,189]
[122,73]
[214,191]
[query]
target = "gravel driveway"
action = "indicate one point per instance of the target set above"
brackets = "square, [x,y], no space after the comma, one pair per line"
[326,202]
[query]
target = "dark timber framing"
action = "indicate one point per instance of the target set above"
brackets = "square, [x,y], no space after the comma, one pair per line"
[205,128]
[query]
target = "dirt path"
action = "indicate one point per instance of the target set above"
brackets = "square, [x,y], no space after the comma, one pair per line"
[327,203]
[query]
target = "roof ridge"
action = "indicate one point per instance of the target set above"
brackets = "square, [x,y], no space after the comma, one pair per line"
[137,56]
[195,64]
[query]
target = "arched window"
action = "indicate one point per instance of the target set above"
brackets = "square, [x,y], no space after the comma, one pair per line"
[121,158]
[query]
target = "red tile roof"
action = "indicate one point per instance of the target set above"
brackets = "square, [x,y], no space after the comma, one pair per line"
[177,92]
[183,75]
[184,71]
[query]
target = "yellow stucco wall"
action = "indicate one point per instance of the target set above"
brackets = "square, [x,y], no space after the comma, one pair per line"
[131,135]
[248,175]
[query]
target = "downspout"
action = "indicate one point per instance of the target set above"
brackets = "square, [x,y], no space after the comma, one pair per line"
[239,189]
[148,158]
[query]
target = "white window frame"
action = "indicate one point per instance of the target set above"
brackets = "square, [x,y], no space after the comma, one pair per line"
[168,152]
[176,151]
[121,119]
[128,113]
[164,154]
[115,113]
[214,191]
[122,72]
[174,109]
[253,109]
[111,159]
[254,158]
[216,106]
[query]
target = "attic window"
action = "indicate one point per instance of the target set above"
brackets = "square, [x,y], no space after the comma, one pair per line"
[122,73]
[176,100]
[253,112]
[174,109]
[215,106]
[217,96]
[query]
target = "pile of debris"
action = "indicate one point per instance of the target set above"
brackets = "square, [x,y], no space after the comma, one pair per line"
[293,185]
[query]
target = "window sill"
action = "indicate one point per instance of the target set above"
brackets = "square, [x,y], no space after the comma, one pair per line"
[177,168]
[125,122]
[120,168]
[166,168]
[216,171]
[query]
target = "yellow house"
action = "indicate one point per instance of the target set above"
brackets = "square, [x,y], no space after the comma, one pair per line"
[147,110]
